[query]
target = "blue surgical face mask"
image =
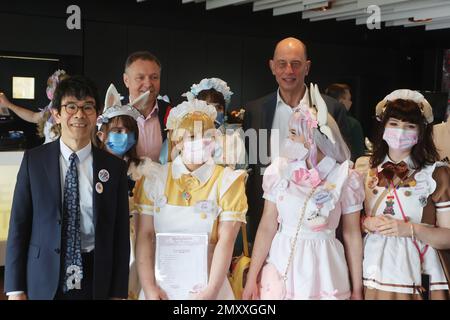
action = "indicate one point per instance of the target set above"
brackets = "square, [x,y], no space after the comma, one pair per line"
[220,118]
[120,143]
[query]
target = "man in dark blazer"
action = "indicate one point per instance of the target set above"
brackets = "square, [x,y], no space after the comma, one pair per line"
[290,66]
[143,73]
[50,178]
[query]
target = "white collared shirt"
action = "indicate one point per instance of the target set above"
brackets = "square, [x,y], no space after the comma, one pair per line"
[203,173]
[283,112]
[85,181]
[407,160]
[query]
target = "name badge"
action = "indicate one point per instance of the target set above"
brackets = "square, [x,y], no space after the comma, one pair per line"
[321,197]
[206,206]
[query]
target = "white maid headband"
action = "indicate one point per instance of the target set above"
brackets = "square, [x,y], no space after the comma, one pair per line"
[113,106]
[210,83]
[188,107]
[406,94]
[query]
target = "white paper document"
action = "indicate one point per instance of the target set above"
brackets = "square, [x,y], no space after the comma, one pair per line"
[181,263]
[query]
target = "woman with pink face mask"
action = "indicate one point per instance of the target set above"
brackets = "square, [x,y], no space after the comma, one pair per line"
[190,195]
[407,205]
[308,190]
[46,127]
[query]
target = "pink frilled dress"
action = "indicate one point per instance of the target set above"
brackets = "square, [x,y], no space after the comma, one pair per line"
[319,268]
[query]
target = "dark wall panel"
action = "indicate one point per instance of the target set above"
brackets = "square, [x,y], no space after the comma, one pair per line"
[32,34]
[224,60]
[257,79]
[104,54]
[187,61]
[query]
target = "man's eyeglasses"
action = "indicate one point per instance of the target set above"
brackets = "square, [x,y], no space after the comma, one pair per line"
[72,108]
[282,65]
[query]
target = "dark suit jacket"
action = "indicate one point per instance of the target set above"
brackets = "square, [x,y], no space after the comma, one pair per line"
[34,239]
[259,114]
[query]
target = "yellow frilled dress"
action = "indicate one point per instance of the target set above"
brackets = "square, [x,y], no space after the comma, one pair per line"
[176,198]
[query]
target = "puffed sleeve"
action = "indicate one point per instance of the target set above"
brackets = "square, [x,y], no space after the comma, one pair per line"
[270,181]
[142,203]
[352,195]
[441,196]
[234,201]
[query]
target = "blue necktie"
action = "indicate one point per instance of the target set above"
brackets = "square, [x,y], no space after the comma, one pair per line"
[71,237]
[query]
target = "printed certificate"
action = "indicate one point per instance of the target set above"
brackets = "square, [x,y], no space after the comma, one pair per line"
[181,263]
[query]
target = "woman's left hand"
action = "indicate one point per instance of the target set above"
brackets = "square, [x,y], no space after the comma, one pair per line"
[391,227]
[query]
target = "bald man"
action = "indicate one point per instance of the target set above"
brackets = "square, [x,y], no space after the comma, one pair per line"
[290,66]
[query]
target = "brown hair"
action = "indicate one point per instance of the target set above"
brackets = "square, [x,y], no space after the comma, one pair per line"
[131,125]
[141,55]
[424,152]
[212,96]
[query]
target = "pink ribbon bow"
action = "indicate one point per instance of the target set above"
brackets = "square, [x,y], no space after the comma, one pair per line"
[305,175]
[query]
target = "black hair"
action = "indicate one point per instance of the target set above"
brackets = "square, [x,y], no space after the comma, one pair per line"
[79,87]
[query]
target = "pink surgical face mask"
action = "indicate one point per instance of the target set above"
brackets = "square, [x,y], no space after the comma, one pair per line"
[197,151]
[293,150]
[400,139]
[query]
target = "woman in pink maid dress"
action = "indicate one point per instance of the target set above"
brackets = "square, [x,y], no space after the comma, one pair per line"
[296,254]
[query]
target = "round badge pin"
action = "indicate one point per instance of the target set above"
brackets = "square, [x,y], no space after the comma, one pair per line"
[99,187]
[103,175]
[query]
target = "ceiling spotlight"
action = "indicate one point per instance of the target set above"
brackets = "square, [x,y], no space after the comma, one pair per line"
[324,8]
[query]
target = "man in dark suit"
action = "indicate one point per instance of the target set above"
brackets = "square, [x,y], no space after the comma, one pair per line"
[69,229]
[290,66]
[143,73]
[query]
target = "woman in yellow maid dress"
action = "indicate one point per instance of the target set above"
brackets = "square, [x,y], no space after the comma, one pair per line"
[169,198]
[407,206]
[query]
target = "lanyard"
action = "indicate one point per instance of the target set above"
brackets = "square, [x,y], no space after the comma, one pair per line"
[405,218]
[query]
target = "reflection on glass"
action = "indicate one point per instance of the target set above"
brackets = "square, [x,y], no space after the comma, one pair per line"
[23,87]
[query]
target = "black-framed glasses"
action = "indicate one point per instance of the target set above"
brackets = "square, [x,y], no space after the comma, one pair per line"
[72,108]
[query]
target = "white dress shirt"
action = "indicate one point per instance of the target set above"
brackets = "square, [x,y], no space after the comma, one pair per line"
[85,182]
[280,128]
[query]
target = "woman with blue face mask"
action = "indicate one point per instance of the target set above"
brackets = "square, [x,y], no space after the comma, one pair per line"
[407,205]
[118,134]
[119,137]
